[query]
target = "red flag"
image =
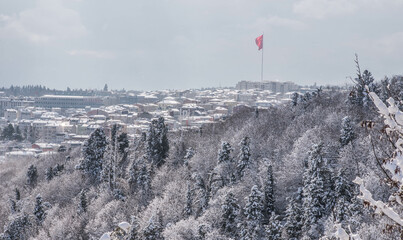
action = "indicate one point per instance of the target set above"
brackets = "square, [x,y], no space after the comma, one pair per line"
[259,42]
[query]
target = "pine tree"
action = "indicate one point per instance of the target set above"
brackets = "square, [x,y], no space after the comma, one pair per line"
[144,182]
[189,154]
[189,201]
[134,229]
[269,193]
[8,132]
[39,210]
[203,195]
[93,152]
[230,211]
[294,99]
[13,206]
[316,200]
[17,135]
[83,202]
[163,138]
[244,156]
[17,228]
[293,220]
[273,230]
[224,154]
[157,142]
[32,176]
[152,231]
[49,174]
[133,175]
[17,194]
[347,134]
[254,213]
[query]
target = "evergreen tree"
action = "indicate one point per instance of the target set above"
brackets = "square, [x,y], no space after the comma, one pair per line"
[93,152]
[316,196]
[347,134]
[273,230]
[17,194]
[189,201]
[105,87]
[163,138]
[269,193]
[224,154]
[133,175]
[293,220]
[49,174]
[134,229]
[157,142]
[32,176]
[203,195]
[230,211]
[17,228]
[152,231]
[8,132]
[254,214]
[244,156]
[83,202]
[189,154]
[294,99]
[123,143]
[17,135]
[13,206]
[144,182]
[39,210]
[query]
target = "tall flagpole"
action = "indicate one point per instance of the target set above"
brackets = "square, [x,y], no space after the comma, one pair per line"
[261,77]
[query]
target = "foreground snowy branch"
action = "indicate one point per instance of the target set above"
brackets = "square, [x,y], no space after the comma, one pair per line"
[393,119]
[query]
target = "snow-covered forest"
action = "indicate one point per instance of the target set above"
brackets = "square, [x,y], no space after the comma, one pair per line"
[312,169]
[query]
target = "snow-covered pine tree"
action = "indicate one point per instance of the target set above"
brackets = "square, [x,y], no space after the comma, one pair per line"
[347,134]
[17,194]
[254,214]
[269,193]
[347,206]
[32,176]
[163,138]
[82,202]
[39,211]
[224,154]
[188,211]
[134,229]
[203,196]
[294,99]
[133,175]
[13,206]
[189,154]
[230,212]
[273,229]
[244,156]
[157,142]
[293,220]
[152,231]
[144,183]
[17,228]
[49,174]
[314,192]
[17,135]
[93,152]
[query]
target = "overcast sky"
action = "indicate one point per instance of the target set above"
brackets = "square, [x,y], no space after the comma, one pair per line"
[181,44]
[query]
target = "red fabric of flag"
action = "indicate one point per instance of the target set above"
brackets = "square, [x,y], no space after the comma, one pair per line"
[259,42]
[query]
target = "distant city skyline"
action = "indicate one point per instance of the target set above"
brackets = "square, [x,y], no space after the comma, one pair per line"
[177,44]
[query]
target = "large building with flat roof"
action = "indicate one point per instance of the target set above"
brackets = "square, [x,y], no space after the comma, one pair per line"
[273,86]
[61,101]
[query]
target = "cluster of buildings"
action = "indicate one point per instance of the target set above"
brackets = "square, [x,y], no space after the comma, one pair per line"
[51,121]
